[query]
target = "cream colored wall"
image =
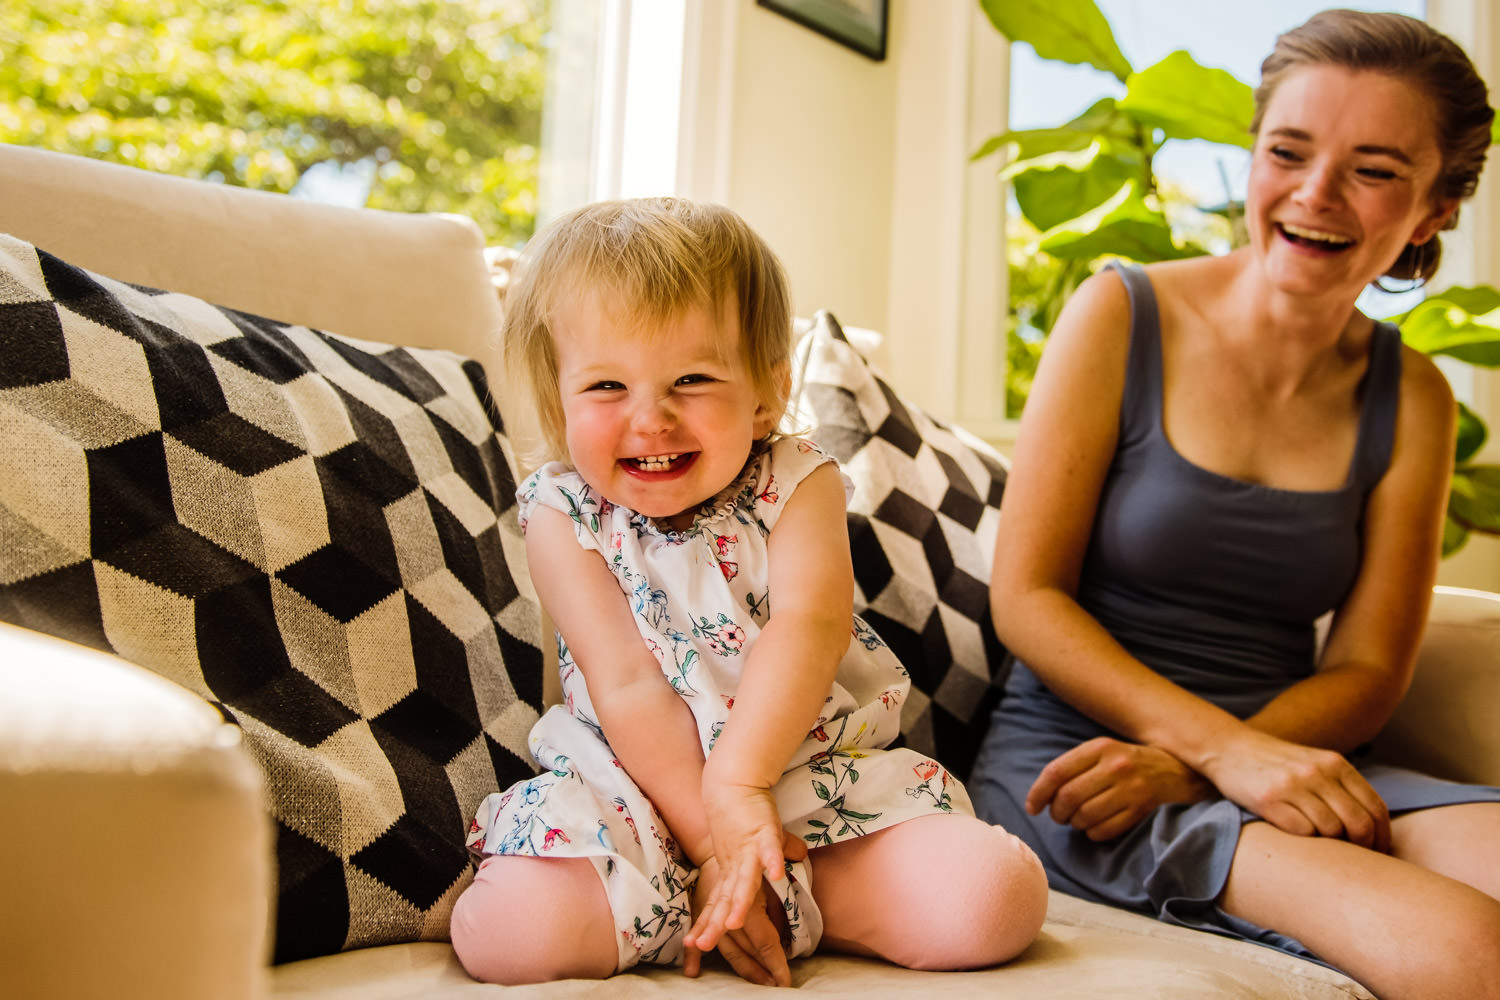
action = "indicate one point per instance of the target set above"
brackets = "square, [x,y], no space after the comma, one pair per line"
[1475,258]
[857,172]
[810,162]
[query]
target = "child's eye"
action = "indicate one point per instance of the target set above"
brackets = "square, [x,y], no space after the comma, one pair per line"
[696,379]
[604,385]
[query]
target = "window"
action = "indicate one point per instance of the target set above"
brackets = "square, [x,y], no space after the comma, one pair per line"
[1192,174]
[412,105]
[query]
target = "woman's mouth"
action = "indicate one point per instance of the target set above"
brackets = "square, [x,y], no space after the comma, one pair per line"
[1315,239]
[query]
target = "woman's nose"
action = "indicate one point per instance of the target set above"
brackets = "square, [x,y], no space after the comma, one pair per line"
[1320,187]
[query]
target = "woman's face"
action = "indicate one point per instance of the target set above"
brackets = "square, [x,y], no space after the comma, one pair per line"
[1341,179]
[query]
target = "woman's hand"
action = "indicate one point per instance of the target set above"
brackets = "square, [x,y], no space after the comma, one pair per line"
[754,950]
[1106,786]
[748,844]
[1303,790]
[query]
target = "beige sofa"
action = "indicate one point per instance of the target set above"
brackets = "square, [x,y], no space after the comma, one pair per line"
[135,857]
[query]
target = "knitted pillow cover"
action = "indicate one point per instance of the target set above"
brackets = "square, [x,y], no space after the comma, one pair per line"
[922,525]
[313,533]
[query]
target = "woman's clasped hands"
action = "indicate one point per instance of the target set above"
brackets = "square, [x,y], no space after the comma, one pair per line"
[1104,787]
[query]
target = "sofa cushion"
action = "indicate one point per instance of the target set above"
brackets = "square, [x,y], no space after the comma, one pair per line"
[922,525]
[315,534]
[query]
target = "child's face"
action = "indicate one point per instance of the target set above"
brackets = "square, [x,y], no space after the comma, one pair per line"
[657,422]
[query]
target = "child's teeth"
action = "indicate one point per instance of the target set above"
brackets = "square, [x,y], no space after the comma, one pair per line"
[657,463]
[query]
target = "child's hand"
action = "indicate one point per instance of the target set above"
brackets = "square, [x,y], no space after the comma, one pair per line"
[754,951]
[748,843]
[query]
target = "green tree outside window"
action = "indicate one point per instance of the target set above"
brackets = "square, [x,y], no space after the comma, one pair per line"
[436,105]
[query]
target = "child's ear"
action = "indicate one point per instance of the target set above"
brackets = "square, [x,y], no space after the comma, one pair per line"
[767,417]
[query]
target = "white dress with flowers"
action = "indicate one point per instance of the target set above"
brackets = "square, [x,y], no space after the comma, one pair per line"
[700,599]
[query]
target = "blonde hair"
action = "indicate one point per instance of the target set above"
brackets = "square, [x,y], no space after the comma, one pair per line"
[654,258]
[1407,48]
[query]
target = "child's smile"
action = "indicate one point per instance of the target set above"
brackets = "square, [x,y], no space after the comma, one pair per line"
[659,419]
[661,463]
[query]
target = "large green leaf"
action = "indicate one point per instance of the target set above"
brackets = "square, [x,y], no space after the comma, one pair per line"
[1477,300]
[1189,101]
[1454,537]
[1124,226]
[1472,434]
[1474,500]
[1052,190]
[1071,31]
[1462,322]
[1102,119]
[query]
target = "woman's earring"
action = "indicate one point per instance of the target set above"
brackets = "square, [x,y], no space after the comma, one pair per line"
[1418,255]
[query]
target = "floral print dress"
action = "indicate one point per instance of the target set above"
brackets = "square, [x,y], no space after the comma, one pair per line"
[700,599]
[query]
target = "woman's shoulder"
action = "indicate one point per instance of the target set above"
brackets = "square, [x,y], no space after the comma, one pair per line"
[1194,279]
[1425,392]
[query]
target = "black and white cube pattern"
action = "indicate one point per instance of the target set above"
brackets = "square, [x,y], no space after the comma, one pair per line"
[922,525]
[313,533]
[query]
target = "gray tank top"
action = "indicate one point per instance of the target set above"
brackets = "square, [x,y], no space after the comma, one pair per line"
[1212,581]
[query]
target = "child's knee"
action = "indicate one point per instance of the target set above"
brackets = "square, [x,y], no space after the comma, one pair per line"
[1012,901]
[530,920]
[978,896]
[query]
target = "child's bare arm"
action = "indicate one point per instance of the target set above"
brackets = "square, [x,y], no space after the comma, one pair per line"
[649,727]
[789,674]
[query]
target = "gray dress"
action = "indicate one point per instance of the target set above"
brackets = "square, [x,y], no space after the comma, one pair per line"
[1214,583]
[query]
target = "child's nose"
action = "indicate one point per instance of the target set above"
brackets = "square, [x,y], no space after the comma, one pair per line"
[652,415]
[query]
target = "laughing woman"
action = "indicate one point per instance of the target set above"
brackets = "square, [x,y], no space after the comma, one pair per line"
[1216,452]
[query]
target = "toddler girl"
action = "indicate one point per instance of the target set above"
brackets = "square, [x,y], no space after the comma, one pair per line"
[715,777]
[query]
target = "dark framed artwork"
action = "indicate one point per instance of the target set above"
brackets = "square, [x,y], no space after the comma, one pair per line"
[859,24]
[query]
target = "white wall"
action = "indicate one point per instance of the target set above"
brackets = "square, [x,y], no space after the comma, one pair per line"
[857,173]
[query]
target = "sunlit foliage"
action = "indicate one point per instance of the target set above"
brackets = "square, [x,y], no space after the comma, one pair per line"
[440,100]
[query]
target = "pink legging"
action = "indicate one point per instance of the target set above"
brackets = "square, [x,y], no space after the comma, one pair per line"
[936,892]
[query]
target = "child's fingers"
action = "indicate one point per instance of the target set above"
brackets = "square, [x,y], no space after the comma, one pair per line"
[744,887]
[793,847]
[749,960]
[773,860]
[708,928]
[760,942]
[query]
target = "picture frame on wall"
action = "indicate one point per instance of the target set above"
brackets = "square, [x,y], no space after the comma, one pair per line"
[858,24]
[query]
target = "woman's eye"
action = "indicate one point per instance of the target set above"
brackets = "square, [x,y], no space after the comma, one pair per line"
[1376,173]
[1282,153]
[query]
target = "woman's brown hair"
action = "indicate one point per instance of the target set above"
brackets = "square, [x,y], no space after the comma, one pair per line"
[1407,48]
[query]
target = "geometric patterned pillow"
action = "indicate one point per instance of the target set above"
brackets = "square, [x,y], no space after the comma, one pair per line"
[313,533]
[922,525]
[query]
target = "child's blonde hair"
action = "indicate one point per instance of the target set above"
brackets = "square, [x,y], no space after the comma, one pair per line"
[653,258]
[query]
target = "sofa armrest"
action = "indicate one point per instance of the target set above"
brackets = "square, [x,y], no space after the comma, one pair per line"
[135,848]
[1446,725]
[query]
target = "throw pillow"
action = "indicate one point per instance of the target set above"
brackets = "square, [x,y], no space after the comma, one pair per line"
[922,524]
[316,534]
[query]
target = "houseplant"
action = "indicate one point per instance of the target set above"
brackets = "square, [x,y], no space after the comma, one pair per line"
[1087,190]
